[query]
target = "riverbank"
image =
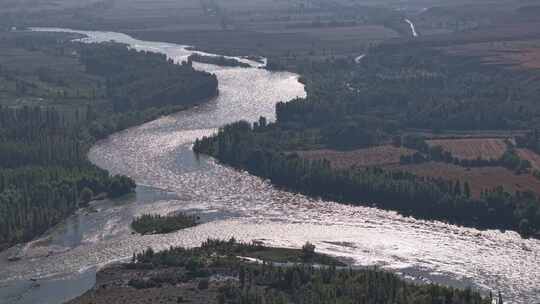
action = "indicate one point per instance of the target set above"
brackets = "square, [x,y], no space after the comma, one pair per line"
[233,203]
[350,109]
[67,101]
[141,282]
[218,60]
[217,272]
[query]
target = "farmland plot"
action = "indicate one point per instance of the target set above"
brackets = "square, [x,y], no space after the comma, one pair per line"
[374,156]
[472,148]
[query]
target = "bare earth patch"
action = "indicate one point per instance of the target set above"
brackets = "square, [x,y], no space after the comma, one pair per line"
[472,148]
[530,156]
[478,178]
[111,287]
[374,156]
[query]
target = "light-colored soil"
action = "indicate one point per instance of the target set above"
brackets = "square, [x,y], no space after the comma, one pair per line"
[530,156]
[478,178]
[472,148]
[375,156]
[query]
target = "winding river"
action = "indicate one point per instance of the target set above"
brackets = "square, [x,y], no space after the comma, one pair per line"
[170,177]
[413,28]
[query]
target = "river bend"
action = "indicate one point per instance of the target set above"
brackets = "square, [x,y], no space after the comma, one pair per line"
[158,156]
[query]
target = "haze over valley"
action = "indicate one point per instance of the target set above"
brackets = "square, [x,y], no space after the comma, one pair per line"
[269,151]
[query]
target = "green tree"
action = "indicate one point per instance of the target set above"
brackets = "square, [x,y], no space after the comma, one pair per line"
[86,196]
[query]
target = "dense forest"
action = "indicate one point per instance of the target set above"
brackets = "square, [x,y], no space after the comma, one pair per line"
[378,102]
[414,86]
[298,283]
[56,103]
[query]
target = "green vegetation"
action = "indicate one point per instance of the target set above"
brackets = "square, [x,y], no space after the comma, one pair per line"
[252,149]
[231,248]
[158,224]
[56,99]
[510,159]
[392,91]
[531,141]
[300,283]
[403,86]
[217,60]
[281,255]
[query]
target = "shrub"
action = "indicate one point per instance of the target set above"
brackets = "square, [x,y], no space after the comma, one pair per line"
[86,196]
[203,284]
[308,251]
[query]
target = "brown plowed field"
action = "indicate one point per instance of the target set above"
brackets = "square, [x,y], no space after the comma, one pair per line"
[472,148]
[478,178]
[374,156]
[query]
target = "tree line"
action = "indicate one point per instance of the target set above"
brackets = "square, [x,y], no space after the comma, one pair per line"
[44,171]
[298,283]
[425,153]
[352,106]
[256,150]
[159,224]
[395,88]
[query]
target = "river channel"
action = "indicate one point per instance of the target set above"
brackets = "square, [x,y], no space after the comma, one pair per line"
[170,177]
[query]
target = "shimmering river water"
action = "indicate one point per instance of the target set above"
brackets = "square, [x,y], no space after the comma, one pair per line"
[231,203]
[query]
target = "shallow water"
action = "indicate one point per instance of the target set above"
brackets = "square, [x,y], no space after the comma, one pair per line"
[158,156]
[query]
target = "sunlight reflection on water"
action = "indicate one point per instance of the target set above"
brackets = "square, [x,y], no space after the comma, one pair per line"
[158,155]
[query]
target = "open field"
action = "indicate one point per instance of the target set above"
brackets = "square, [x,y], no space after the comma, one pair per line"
[302,44]
[518,54]
[240,27]
[478,178]
[279,27]
[375,156]
[472,148]
[481,178]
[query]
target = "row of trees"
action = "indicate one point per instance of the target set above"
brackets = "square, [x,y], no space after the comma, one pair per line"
[217,60]
[44,172]
[140,80]
[243,147]
[267,283]
[301,284]
[158,224]
[392,90]
[34,198]
[510,159]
